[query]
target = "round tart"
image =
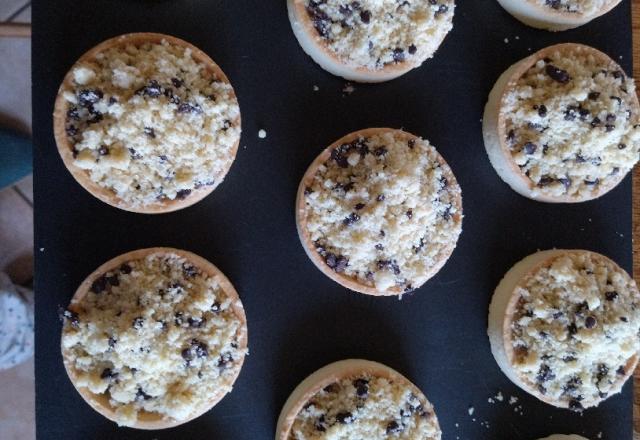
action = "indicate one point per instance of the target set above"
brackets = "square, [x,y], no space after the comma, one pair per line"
[379,211]
[357,399]
[563,326]
[147,123]
[564,437]
[370,40]
[154,338]
[562,124]
[557,15]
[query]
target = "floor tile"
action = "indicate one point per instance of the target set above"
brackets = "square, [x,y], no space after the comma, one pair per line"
[25,188]
[16,236]
[23,17]
[9,7]
[15,86]
[17,414]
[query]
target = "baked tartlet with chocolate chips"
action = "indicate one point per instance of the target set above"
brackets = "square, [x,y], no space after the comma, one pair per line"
[357,399]
[564,437]
[370,40]
[561,125]
[563,326]
[557,15]
[147,123]
[154,338]
[379,211]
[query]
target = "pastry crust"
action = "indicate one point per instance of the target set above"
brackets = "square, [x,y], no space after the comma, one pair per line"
[301,219]
[494,128]
[316,48]
[544,17]
[147,420]
[502,312]
[332,373]
[65,148]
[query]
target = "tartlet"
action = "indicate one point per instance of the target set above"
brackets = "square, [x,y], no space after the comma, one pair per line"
[562,125]
[379,211]
[369,40]
[557,15]
[564,437]
[154,338]
[563,326]
[356,398]
[147,123]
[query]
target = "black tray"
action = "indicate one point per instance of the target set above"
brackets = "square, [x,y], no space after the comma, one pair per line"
[298,319]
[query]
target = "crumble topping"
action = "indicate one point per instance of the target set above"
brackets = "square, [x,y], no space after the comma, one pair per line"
[155,334]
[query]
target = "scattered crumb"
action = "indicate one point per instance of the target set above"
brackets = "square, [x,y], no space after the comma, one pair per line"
[517,37]
[506,40]
[315,88]
[620,56]
[473,419]
[457,425]
[262,134]
[471,410]
[490,400]
[499,397]
[513,400]
[529,49]
[599,435]
[348,89]
[41,249]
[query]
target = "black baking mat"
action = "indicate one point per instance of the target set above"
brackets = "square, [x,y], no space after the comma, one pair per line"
[298,319]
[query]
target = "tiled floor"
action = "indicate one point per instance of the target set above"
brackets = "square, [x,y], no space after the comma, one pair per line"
[17,414]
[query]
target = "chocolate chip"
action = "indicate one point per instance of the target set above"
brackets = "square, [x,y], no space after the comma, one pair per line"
[112,341]
[336,262]
[113,280]
[69,315]
[622,146]
[195,322]
[320,424]
[572,329]
[331,388]
[200,348]
[345,418]
[307,190]
[624,319]
[362,387]
[621,370]
[125,269]
[565,181]
[617,74]
[409,214]
[150,132]
[351,219]
[389,264]
[603,371]
[152,90]
[380,151]
[442,9]
[611,296]
[559,75]
[530,148]
[187,107]
[398,55]
[593,96]
[591,182]
[73,113]
[545,373]
[394,428]
[359,206]
[108,373]
[595,122]
[616,98]
[187,355]
[142,395]
[379,247]
[71,130]
[183,194]
[542,110]
[87,97]
[609,127]
[365,16]
[163,158]
[555,4]
[545,181]
[412,50]
[590,322]
[575,405]
[215,307]
[511,135]
[99,285]
[177,83]
[380,198]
